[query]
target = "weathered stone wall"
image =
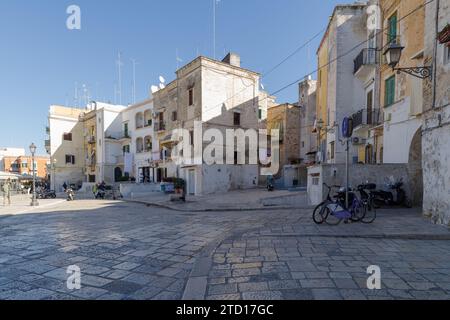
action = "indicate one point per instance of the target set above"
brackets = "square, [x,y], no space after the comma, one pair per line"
[436,121]
[335,175]
[307,102]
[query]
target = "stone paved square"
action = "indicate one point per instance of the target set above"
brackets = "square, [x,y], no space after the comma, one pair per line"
[129,251]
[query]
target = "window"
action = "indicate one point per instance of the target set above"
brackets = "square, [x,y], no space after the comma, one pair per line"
[174,116]
[14,166]
[303,144]
[369,102]
[447,54]
[191,138]
[332,150]
[148,144]
[126,149]
[259,113]
[139,145]
[392,29]
[139,120]
[67,137]
[24,165]
[389,91]
[70,159]
[191,97]
[236,118]
[125,130]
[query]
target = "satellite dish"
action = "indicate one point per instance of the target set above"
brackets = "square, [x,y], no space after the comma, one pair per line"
[161,79]
[154,89]
[161,86]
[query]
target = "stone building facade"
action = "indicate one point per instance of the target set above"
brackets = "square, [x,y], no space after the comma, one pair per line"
[436,116]
[221,95]
[339,93]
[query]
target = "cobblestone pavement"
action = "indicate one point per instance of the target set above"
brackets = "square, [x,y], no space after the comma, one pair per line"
[129,251]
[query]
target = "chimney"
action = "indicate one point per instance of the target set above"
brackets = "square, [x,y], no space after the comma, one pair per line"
[232,59]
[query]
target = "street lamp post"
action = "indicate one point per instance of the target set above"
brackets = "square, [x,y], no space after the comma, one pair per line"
[54,174]
[34,202]
[393,54]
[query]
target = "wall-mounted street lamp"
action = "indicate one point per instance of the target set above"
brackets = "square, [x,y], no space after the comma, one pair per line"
[393,54]
[34,202]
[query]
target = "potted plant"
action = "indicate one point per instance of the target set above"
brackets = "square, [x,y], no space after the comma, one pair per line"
[444,35]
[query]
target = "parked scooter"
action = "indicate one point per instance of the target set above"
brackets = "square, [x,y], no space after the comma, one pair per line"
[70,194]
[47,194]
[394,195]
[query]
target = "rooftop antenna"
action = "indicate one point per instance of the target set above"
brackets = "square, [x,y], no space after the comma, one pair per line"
[215,3]
[119,66]
[75,98]
[133,89]
[86,94]
[179,60]
[162,82]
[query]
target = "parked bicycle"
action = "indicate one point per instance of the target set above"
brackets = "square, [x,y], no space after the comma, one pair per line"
[333,210]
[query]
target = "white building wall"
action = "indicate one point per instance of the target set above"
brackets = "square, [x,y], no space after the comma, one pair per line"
[399,132]
[346,94]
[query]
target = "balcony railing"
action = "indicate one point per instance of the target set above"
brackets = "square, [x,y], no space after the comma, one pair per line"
[367,56]
[160,126]
[368,118]
[118,135]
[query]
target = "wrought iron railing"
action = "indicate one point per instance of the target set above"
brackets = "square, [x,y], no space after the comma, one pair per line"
[367,56]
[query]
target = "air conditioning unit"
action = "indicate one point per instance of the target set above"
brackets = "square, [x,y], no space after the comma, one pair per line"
[389,117]
[359,141]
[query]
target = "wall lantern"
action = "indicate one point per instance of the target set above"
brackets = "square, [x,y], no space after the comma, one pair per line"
[393,54]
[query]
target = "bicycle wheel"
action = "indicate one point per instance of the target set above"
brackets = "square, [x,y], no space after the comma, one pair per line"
[330,217]
[358,212]
[371,212]
[317,216]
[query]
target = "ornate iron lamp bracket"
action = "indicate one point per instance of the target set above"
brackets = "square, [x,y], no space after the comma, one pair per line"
[419,72]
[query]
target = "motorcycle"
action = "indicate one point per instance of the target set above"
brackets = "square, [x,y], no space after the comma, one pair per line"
[47,194]
[70,194]
[100,194]
[394,195]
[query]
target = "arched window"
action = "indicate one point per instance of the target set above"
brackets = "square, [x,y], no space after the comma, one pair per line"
[139,120]
[148,144]
[147,118]
[139,145]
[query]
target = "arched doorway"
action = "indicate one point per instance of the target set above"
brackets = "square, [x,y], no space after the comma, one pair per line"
[117,174]
[415,168]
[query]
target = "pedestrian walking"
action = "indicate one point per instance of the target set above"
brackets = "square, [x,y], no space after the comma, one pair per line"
[95,190]
[7,192]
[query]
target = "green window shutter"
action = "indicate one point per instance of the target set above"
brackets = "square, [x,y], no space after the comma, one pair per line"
[389,91]
[392,28]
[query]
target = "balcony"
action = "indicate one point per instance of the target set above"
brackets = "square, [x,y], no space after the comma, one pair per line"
[363,118]
[365,62]
[92,140]
[118,136]
[160,126]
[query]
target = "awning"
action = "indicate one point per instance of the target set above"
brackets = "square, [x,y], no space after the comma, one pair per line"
[6,175]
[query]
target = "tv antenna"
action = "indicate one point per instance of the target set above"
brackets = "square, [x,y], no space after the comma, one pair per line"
[119,67]
[179,60]
[162,82]
[133,89]
[215,3]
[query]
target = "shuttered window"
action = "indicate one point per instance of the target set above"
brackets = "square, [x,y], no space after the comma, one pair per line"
[389,95]
[392,29]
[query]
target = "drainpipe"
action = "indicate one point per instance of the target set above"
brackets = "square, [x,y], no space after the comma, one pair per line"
[435,54]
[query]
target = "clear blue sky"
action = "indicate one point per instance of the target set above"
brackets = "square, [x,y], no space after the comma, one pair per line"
[41,60]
